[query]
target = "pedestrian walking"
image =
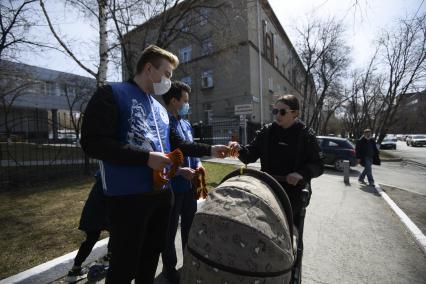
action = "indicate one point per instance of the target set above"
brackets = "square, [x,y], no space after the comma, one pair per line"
[367,154]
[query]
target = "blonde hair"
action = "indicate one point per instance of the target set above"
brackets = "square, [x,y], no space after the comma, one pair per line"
[153,54]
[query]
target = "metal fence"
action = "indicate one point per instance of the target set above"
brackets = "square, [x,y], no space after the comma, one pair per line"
[36,148]
[223,131]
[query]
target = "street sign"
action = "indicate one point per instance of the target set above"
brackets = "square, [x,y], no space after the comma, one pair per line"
[256,99]
[243,109]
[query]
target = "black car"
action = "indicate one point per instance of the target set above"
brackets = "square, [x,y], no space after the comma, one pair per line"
[336,150]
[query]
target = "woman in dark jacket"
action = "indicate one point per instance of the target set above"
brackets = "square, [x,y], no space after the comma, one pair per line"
[286,148]
[92,221]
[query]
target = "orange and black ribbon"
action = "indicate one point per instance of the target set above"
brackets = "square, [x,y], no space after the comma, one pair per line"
[160,177]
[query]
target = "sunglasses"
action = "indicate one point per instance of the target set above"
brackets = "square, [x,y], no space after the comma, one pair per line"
[282,111]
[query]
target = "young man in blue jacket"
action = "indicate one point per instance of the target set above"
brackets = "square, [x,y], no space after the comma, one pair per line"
[128,131]
[185,205]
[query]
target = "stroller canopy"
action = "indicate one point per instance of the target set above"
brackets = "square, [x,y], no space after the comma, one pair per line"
[242,234]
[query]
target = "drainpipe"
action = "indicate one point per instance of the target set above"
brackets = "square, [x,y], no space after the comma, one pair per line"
[260,60]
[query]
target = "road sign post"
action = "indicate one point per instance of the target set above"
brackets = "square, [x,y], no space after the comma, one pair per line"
[243,110]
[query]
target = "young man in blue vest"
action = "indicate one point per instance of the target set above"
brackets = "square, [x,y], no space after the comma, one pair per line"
[128,131]
[185,206]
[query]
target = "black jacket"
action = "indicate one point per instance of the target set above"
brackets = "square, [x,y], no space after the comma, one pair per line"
[362,150]
[99,128]
[94,216]
[282,151]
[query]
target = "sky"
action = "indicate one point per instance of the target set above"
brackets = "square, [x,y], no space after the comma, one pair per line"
[363,23]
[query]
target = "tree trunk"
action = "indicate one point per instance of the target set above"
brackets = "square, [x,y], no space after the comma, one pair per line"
[103,44]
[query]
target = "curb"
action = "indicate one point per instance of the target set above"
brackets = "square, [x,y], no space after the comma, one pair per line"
[417,234]
[392,160]
[56,268]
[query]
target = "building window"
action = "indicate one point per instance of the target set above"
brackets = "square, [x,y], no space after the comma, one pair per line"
[208,116]
[183,25]
[51,89]
[264,26]
[294,76]
[187,80]
[206,46]
[204,16]
[185,54]
[207,79]
[271,84]
[64,90]
[269,43]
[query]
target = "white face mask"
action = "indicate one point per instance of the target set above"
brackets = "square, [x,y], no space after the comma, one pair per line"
[163,86]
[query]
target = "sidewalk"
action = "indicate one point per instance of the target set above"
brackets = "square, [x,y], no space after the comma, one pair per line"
[351,236]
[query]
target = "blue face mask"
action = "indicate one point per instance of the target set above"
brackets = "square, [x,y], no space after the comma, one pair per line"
[184,109]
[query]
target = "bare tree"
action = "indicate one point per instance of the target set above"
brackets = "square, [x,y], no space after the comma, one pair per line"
[116,18]
[310,50]
[325,58]
[165,21]
[335,99]
[77,94]
[16,20]
[403,53]
[331,65]
[364,101]
[97,9]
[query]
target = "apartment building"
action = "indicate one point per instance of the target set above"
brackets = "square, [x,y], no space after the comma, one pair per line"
[237,59]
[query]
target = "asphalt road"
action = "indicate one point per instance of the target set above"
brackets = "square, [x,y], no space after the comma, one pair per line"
[416,154]
[398,174]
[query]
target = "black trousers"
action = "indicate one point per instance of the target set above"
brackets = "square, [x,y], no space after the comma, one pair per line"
[295,196]
[185,206]
[138,231]
[86,247]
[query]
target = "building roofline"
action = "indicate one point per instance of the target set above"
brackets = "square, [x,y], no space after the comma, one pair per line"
[268,9]
[37,71]
[149,21]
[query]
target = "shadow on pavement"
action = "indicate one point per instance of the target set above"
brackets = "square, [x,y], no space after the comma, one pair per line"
[369,189]
[332,171]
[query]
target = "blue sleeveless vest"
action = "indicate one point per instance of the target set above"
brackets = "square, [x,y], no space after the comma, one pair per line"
[140,127]
[184,130]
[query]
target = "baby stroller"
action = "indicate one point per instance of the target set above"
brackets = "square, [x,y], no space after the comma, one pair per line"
[244,233]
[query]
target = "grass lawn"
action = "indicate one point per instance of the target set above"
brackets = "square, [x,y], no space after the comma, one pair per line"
[40,223]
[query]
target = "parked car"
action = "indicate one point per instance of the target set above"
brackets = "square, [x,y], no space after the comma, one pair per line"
[416,140]
[400,137]
[336,150]
[388,143]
